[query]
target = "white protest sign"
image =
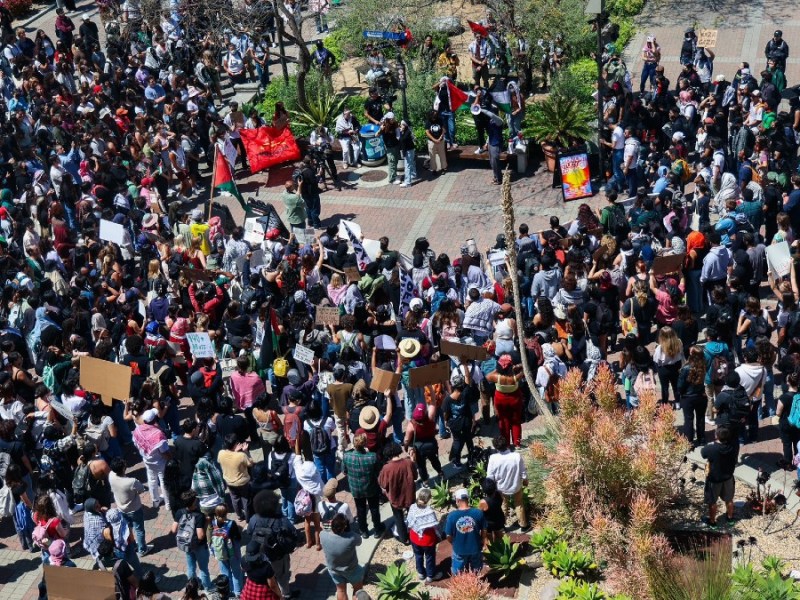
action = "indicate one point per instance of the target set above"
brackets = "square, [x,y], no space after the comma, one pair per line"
[303,354]
[200,345]
[779,259]
[497,257]
[112,232]
[372,248]
[227,367]
[253,231]
[354,227]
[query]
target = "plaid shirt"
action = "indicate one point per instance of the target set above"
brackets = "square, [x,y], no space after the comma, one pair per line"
[207,480]
[93,525]
[361,469]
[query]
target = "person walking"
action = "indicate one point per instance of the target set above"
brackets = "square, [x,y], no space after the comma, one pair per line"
[152,444]
[361,469]
[397,482]
[465,529]
[127,496]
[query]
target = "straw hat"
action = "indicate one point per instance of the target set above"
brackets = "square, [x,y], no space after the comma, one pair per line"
[368,417]
[409,348]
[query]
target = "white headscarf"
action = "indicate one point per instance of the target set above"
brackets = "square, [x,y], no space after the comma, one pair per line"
[728,189]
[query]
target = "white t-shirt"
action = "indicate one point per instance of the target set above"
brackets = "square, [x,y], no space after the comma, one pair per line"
[344,509]
[618,138]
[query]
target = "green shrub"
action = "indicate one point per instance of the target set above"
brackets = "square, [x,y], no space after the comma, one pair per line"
[440,495]
[341,45]
[572,589]
[280,91]
[569,83]
[545,538]
[504,558]
[627,29]
[624,8]
[563,561]
[396,584]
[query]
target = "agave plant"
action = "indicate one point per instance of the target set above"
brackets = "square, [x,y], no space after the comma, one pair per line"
[440,496]
[321,111]
[563,561]
[503,557]
[560,121]
[397,584]
[545,538]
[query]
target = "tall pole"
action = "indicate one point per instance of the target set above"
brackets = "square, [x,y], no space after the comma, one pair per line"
[403,82]
[599,58]
[213,179]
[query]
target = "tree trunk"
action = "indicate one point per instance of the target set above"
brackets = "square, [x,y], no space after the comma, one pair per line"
[511,250]
[295,34]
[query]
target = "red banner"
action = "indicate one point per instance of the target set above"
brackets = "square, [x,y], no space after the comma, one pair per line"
[267,146]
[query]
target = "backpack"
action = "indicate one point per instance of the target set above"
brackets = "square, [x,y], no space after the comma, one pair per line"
[644,382]
[794,414]
[303,503]
[291,424]
[280,471]
[687,51]
[743,224]
[275,542]
[221,544]
[186,536]
[331,510]
[724,318]
[320,439]
[39,535]
[7,504]
[740,411]
[720,367]
[438,297]
[759,327]
[616,222]
[155,378]
[605,320]
[80,483]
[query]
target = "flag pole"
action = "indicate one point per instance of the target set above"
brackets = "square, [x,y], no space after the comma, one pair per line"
[213,179]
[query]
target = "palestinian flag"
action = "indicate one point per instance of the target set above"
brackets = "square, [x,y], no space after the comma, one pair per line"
[502,99]
[223,178]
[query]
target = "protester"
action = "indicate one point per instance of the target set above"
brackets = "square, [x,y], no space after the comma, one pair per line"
[423,530]
[465,529]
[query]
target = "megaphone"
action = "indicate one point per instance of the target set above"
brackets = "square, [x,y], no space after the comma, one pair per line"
[475,109]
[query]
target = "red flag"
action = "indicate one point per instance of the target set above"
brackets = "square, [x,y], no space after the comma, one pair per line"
[457,96]
[478,28]
[267,146]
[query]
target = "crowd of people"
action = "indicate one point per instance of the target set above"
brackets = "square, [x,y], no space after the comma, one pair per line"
[118,135]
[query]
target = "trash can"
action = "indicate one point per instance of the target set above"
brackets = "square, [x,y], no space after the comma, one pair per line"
[373,152]
[521,150]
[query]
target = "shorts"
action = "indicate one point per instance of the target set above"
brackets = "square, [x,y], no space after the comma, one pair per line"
[352,576]
[722,489]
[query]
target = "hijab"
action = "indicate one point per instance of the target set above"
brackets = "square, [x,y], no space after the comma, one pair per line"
[728,189]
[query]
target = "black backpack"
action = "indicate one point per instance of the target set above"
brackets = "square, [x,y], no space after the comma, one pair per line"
[331,510]
[275,541]
[280,470]
[617,224]
[740,408]
[320,439]
[80,483]
[759,327]
[605,320]
[724,318]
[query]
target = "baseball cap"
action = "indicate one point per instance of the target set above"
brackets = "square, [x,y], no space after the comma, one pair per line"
[461,494]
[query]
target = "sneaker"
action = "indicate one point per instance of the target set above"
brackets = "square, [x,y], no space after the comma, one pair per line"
[405,184]
[147,549]
[479,151]
[438,576]
[379,533]
[397,181]
[422,577]
[428,580]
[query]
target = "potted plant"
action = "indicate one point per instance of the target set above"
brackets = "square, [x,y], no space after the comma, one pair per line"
[557,122]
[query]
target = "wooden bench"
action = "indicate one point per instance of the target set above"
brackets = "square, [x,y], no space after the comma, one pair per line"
[468,153]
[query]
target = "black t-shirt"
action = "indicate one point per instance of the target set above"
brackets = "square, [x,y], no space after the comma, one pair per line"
[374,108]
[199,518]
[787,399]
[723,458]
[232,424]
[16,450]
[238,325]
[187,452]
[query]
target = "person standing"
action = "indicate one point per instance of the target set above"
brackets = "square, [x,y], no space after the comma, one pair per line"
[226,545]
[508,470]
[435,134]
[295,207]
[309,192]
[494,137]
[347,133]
[422,529]
[154,449]
[617,146]
[127,492]
[361,469]
[630,160]
[188,450]
[391,141]
[339,544]
[651,56]
[479,55]
[692,394]
[465,529]
[190,537]
[722,457]
[276,536]
[397,482]
[777,49]
[235,461]
[409,154]
[788,426]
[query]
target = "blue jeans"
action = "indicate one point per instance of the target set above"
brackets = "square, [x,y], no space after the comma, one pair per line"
[426,560]
[413,397]
[232,569]
[263,74]
[632,180]
[449,123]
[411,165]
[197,565]
[515,123]
[769,393]
[617,157]
[648,74]
[130,555]
[397,426]
[313,209]
[171,420]
[321,21]
[287,501]
[326,465]
[468,562]
[123,431]
[135,521]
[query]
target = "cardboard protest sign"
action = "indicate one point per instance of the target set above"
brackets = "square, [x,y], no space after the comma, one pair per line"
[707,38]
[465,351]
[200,345]
[304,235]
[73,583]
[112,232]
[303,354]
[227,367]
[327,314]
[437,372]
[352,274]
[384,380]
[108,380]
[779,259]
[670,263]
[197,274]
